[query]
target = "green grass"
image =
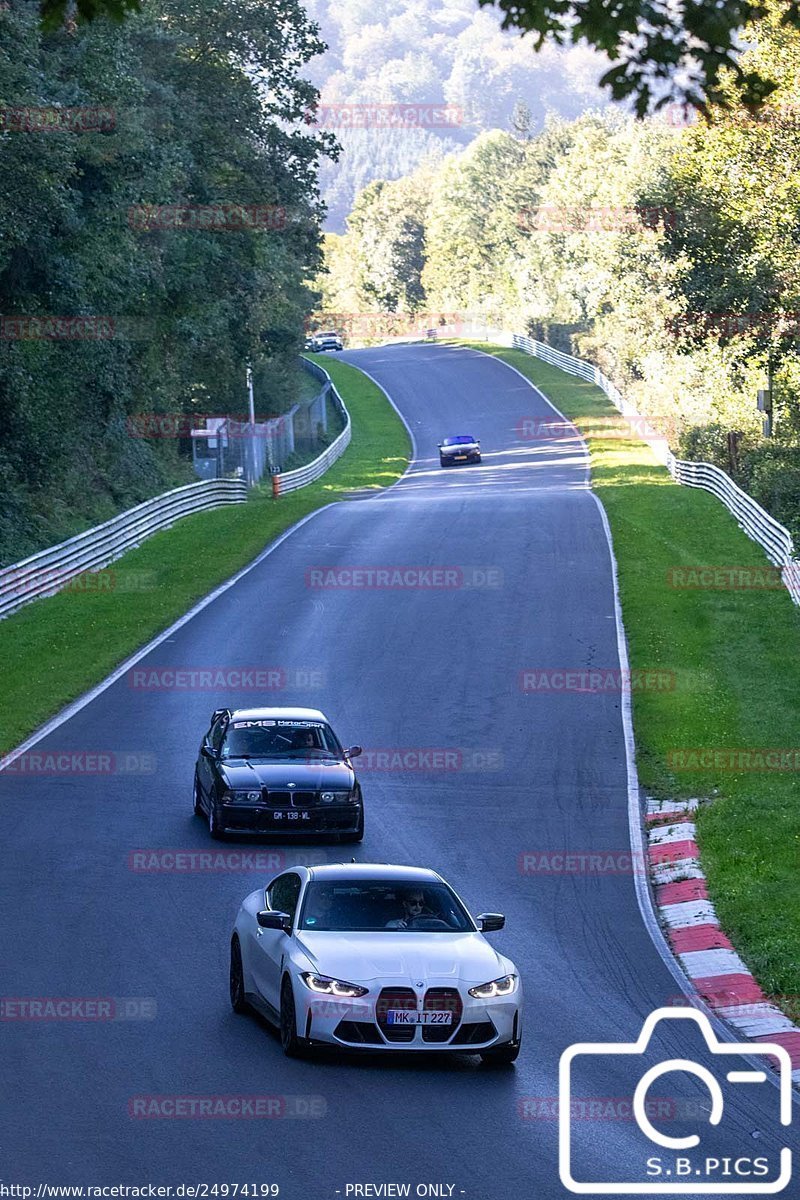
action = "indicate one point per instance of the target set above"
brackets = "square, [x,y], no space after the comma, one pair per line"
[736,659]
[54,649]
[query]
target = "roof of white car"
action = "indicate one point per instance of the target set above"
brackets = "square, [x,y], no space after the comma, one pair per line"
[285,714]
[358,870]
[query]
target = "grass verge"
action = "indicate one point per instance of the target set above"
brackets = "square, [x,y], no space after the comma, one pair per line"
[54,649]
[735,655]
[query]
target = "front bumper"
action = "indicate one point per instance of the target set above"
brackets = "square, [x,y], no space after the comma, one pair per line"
[259,819]
[355,1024]
[472,456]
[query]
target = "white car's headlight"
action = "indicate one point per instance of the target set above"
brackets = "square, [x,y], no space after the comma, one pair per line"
[496,987]
[332,987]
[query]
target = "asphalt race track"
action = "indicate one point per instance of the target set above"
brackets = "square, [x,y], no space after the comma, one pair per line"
[398,670]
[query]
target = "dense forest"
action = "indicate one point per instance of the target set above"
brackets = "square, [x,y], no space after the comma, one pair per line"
[432,52]
[159,219]
[665,250]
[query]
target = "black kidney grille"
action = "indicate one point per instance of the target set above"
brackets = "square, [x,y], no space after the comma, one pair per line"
[447,1000]
[287,799]
[397,997]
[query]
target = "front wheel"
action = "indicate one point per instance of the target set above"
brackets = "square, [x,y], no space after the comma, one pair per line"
[214,823]
[238,1002]
[293,1046]
[198,808]
[502,1056]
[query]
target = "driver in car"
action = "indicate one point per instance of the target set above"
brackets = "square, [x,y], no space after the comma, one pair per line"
[413,906]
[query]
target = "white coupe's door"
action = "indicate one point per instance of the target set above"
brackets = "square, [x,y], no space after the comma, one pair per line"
[271,945]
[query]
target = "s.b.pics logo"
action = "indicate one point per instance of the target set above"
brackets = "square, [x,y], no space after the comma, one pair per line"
[701,1149]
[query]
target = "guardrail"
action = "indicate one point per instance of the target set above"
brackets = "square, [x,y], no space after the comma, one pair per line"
[50,570]
[760,527]
[289,481]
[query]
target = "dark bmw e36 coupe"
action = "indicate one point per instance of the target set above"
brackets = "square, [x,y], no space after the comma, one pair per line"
[275,771]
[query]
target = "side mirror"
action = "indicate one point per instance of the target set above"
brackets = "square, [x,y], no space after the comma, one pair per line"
[354,751]
[274,920]
[209,750]
[489,922]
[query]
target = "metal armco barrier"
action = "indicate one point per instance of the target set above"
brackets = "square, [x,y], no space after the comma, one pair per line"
[775,540]
[49,571]
[289,481]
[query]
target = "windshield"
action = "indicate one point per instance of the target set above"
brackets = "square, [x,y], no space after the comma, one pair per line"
[280,739]
[363,906]
[464,440]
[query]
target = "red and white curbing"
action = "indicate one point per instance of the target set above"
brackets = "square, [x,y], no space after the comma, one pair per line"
[694,933]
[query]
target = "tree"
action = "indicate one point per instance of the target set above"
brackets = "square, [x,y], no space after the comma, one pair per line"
[206,106]
[387,231]
[658,51]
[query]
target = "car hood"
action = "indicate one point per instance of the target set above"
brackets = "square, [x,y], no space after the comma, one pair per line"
[308,776]
[363,957]
[462,448]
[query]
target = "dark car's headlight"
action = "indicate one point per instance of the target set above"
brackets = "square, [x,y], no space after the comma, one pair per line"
[495,987]
[241,797]
[350,797]
[332,987]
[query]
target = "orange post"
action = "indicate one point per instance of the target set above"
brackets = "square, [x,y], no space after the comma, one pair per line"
[276,486]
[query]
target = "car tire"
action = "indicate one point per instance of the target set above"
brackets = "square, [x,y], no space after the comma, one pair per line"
[236,979]
[442,462]
[214,823]
[502,1056]
[198,810]
[292,1045]
[477,458]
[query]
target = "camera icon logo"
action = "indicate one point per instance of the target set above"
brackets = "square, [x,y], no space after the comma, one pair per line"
[677,1172]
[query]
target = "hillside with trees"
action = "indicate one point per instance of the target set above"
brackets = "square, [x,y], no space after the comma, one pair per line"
[666,252]
[434,53]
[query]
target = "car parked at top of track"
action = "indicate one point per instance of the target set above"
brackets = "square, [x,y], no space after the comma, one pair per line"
[277,771]
[329,340]
[374,957]
[462,448]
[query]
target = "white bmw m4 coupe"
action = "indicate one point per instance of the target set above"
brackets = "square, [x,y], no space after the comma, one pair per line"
[374,957]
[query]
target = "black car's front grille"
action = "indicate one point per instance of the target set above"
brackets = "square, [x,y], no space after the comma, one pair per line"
[396,997]
[442,999]
[289,799]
